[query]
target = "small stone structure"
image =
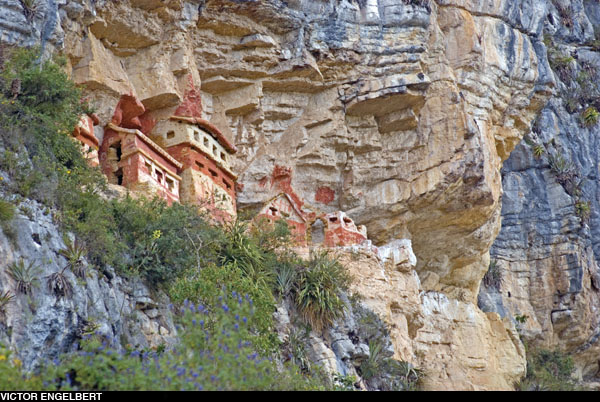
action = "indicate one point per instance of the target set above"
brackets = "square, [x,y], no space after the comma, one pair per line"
[335,229]
[207,178]
[131,159]
[283,207]
[340,230]
[84,133]
[184,158]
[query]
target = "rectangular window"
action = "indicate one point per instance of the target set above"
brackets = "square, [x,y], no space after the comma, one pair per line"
[213,173]
[170,184]
[200,165]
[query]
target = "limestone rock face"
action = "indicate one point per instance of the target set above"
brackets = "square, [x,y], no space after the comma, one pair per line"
[459,346]
[547,251]
[400,112]
[41,326]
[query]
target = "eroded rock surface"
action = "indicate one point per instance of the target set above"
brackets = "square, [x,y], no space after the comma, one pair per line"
[398,112]
[547,251]
[40,325]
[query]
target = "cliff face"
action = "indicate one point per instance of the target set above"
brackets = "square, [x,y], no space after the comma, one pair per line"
[398,112]
[547,250]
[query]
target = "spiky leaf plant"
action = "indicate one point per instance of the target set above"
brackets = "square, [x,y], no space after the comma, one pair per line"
[5,298]
[74,253]
[25,275]
[590,116]
[318,288]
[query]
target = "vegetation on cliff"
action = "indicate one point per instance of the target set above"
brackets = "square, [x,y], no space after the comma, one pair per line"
[223,280]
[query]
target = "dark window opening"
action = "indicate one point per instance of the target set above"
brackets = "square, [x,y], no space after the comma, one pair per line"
[334,219]
[117,147]
[213,173]
[508,294]
[347,220]
[159,176]
[119,176]
[171,134]
[273,211]
[227,184]
[199,165]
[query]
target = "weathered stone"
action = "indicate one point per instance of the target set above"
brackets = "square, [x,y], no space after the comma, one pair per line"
[41,326]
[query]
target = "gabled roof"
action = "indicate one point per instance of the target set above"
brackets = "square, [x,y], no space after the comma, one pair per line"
[155,147]
[211,128]
[291,202]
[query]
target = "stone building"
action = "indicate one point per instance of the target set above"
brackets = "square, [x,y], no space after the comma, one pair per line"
[283,207]
[207,178]
[131,159]
[340,230]
[335,229]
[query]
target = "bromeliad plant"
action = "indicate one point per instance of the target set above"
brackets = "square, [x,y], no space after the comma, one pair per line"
[590,116]
[59,284]
[25,275]
[74,253]
[318,288]
[5,298]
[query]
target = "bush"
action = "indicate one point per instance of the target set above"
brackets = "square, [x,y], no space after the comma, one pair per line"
[317,290]
[583,210]
[215,352]
[13,379]
[590,116]
[547,371]
[204,286]
[7,211]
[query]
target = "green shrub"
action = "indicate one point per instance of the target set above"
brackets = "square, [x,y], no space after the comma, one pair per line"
[204,286]
[590,116]
[318,288]
[294,349]
[215,352]
[372,366]
[583,210]
[13,378]
[7,211]
[547,371]
[393,375]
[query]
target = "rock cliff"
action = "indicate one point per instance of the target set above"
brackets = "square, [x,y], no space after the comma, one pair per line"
[401,113]
[547,251]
